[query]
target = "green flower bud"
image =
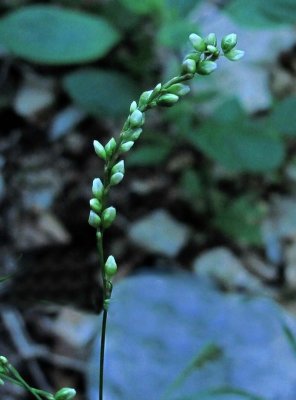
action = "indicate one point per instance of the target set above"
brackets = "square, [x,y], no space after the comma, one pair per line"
[3,361]
[188,67]
[116,178]
[108,216]
[197,42]
[144,98]
[179,89]
[126,146]
[119,167]
[94,220]
[110,267]
[167,100]
[99,149]
[212,49]
[206,67]
[65,394]
[211,39]
[110,147]
[106,304]
[228,42]
[1,382]
[133,107]
[234,55]
[95,205]
[155,91]
[193,56]
[136,119]
[97,188]
[136,134]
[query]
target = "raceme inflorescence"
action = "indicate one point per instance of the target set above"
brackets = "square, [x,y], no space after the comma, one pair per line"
[200,61]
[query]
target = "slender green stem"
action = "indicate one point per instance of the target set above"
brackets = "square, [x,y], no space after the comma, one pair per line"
[102,353]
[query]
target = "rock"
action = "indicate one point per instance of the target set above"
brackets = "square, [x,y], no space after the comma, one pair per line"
[65,121]
[158,232]
[34,95]
[157,325]
[75,327]
[225,269]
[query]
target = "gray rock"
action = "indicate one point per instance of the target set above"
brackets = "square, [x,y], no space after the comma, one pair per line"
[225,269]
[159,232]
[157,324]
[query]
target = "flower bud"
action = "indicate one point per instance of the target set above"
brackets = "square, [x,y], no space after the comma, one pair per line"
[99,149]
[3,361]
[206,67]
[94,220]
[65,394]
[193,56]
[211,39]
[126,146]
[95,205]
[179,89]
[167,100]
[197,42]
[110,267]
[133,107]
[212,49]
[119,167]
[234,55]
[144,98]
[116,178]
[136,134]
[228,42]
[97,188]
[108,216]
[155,91]
[188,67]
[1,382]
[110,147]
[136,119]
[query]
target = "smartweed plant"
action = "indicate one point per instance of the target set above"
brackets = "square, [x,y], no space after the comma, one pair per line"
[201,61]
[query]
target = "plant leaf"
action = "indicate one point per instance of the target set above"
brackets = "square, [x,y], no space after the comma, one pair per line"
[100,93]
[283,116]
[53,35]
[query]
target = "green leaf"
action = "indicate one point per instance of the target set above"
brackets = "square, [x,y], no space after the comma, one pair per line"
[143,6]
[290,337]
[51,35]
[101,93]
[148,155]
[283,11]
[249,13]
[283,116]
[209,353]
[241,220]
[240,145]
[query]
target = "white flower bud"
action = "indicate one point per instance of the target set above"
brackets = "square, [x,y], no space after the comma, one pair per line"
[234,55]
[133,107]
[65,394]
[136,119]
[99,149]
[197,42]
[179,89]
[108,216]
[97,188]
[94,220]
[95,205]
[116,178]
[144,98]
[136,134]
[168,100]
[188,66]
[126,146]
[110,147]
[228,42]
[119,167]
[110,267]
[211,39]
[206,67]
